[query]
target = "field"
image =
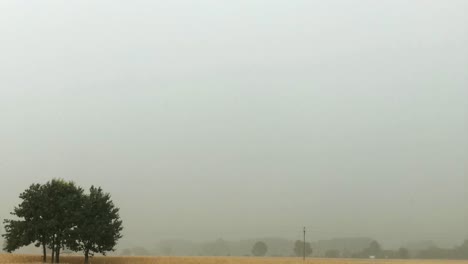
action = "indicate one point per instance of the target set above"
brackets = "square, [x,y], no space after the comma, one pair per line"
[12,258]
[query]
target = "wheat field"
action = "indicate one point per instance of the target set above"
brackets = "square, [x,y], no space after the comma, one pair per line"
[14,258]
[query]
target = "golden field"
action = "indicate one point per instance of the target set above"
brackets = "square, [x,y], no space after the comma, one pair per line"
[14,258]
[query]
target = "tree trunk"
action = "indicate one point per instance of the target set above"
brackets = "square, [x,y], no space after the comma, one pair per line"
[53,246]
[57,255]
[44,253]
[53,252]
[86,257]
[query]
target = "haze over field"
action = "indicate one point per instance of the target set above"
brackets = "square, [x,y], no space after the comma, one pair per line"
[244,119]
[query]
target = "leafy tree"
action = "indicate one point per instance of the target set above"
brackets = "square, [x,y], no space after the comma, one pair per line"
[34,227]
[299,248]
[59,216]
[98,225]
[64,203]
[47,215]
[259,249]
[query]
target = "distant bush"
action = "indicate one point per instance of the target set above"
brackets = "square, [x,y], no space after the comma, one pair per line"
[332,253]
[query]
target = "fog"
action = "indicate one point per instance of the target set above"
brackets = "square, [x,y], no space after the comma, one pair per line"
[243,119]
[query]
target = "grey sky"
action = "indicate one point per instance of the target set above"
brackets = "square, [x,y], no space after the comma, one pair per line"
[238,119]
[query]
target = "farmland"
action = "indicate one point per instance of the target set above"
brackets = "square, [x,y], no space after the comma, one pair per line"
[15,258]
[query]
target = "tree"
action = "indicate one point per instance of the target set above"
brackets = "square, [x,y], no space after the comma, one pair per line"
[299,248]
[332,253]
[461,252]
[59,216]
[259,249]
[64,201]
[403,253]
[33,228]
[374,249]
[98,225]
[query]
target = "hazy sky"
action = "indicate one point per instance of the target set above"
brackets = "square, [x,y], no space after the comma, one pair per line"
[240,119]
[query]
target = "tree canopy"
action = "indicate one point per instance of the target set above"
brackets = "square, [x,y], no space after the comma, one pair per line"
[98,226]
[259,249]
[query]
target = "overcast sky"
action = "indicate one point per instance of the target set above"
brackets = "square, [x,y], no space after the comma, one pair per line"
[238,119]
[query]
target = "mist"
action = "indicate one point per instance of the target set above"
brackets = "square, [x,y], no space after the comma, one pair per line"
[243,119]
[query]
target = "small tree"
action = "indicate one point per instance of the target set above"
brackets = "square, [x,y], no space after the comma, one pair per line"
[259,249]
[403,253]
[374,249]
[98,226]
[299,248]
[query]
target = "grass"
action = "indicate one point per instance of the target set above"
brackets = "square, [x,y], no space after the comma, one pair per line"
[16,258]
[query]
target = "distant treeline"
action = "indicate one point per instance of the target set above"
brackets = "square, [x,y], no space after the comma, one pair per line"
[459,252]
[278,247]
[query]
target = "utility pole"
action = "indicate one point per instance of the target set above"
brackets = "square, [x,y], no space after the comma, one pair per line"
[303,250]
